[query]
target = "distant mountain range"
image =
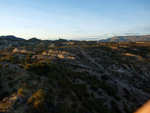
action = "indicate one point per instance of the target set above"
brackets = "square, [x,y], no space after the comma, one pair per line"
[13,41]
[112,39]
[127,39]
[34,39]
[14,38]
[11,37]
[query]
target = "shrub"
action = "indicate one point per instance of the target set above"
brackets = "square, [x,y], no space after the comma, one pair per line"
[81,110]
[10,78]
[114,107]
[94,87]
[7,65]
[28,67]
[10,84]
[117,98]
[1,65]
[126,108]
[21,65]
[37,99]
[21,92]
[7,58]
[39,68]
[98,105]
[42,68]
[80,90]
[127,96]
[64,92]
[104,77]
[63,108]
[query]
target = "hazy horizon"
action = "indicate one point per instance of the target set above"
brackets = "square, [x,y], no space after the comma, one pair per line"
[79,20]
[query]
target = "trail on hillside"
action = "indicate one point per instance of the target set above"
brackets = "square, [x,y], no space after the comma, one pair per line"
[92,60]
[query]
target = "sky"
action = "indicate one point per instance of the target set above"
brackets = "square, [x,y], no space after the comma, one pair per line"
[74,19]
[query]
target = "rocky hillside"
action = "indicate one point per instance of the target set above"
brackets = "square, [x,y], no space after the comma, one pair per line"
[127,39]
[79,77]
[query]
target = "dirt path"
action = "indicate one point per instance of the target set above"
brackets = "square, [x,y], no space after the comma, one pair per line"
[92,60]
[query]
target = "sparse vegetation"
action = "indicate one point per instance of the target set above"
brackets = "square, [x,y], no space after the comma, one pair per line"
[100,78]
[37,98]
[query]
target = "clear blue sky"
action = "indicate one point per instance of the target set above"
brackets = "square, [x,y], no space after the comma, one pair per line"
[74,19]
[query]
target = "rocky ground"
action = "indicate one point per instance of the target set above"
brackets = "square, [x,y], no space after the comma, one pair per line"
[96,78]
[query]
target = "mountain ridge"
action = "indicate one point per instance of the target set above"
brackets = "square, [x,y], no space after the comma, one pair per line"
[127,39]
[11,37]
[111,39]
